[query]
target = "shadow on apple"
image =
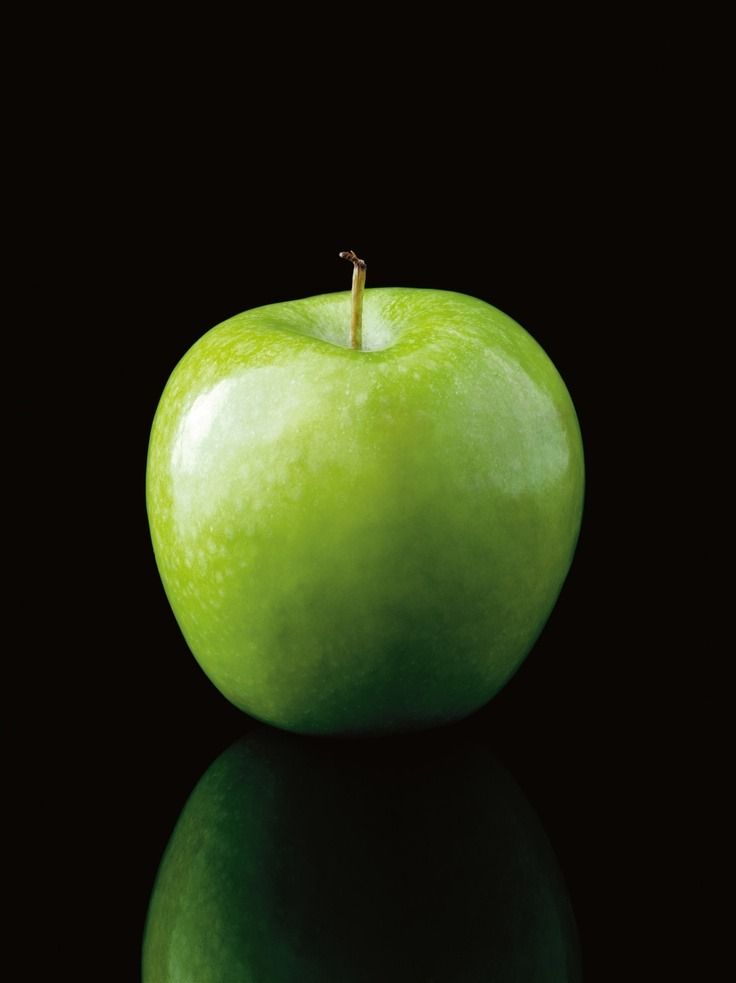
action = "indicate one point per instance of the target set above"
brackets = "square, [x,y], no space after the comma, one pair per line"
[412,859]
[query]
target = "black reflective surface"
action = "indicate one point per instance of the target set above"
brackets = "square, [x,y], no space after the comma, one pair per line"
[415,859]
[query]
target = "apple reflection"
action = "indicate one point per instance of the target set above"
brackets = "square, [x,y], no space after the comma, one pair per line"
[415,859]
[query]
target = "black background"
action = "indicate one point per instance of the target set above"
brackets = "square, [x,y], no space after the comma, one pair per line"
[169,213]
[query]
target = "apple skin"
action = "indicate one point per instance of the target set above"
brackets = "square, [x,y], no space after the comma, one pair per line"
[412,859]
[358,542]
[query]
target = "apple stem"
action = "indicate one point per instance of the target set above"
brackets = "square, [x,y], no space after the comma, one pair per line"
[356,299]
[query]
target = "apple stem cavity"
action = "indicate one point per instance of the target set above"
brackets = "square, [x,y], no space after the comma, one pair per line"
[356,300]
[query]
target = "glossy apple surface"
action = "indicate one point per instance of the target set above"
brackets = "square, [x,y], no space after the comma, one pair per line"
[361,541]
[297,860]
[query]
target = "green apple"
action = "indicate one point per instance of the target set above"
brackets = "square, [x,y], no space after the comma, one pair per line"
[364,540]
[414,859]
